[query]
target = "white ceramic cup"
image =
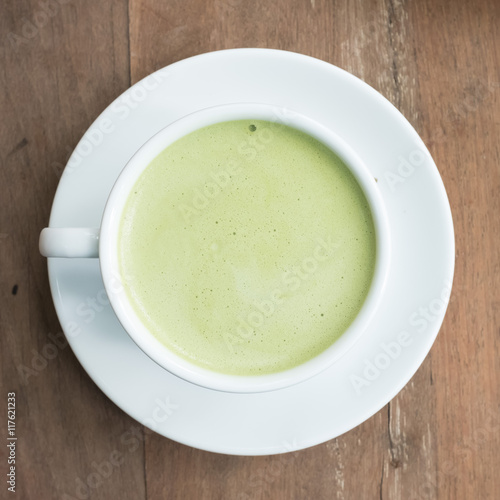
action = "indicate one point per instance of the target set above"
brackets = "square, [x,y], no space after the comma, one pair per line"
[103,243]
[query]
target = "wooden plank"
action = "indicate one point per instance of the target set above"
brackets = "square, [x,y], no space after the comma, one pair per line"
[458,64]
[62,63]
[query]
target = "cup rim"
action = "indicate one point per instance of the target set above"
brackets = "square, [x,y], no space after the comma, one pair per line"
[113,282]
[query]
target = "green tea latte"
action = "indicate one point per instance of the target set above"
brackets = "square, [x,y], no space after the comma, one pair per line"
[248,247]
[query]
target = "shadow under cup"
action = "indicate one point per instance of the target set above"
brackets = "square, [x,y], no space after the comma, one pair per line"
[244,121]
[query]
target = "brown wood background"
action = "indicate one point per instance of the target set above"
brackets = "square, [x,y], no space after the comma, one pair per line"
[63,61]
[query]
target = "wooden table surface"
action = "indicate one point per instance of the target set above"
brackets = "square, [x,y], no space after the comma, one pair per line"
[63,61]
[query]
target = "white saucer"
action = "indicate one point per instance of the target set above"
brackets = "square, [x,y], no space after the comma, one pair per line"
[372,372]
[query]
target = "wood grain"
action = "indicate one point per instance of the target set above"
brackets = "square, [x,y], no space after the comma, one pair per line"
[437,61]
[55,79]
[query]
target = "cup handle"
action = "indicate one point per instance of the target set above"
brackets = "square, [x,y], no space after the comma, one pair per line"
[69,242]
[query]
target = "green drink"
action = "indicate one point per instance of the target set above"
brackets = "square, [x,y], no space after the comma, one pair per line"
[248,247]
